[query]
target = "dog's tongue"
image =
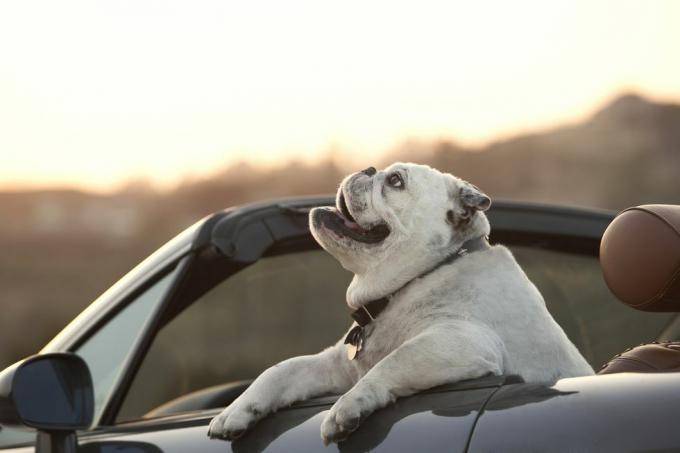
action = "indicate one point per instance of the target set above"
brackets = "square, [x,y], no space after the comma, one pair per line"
[352,225]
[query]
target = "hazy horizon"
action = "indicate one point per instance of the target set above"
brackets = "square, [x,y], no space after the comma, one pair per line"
[343,157]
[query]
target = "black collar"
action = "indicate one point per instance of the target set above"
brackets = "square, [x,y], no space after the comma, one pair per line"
[370,310]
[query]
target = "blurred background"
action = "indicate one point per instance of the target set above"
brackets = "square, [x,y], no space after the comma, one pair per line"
[121,123]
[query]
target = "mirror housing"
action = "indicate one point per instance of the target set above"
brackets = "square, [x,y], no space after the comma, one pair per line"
[52,393]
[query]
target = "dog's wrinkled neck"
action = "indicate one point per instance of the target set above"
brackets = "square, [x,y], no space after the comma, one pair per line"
[478,243]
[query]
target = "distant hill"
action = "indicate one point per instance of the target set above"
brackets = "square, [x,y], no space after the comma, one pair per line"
[60,249]
[627,153]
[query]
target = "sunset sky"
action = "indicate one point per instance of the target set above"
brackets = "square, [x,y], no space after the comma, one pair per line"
[93,93]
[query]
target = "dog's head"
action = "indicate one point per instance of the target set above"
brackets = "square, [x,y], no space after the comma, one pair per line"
[390,226]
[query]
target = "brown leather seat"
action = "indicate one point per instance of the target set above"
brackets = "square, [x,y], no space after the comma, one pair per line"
[646,358]
[640,259]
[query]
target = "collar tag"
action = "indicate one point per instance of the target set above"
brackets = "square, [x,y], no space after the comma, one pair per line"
[354,342]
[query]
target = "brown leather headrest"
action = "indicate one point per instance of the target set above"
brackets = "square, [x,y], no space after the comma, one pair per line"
[640,257]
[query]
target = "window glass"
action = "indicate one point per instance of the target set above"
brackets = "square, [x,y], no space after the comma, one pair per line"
[277,308]
[579,300]
[294,304]
[14,436]
[106,351]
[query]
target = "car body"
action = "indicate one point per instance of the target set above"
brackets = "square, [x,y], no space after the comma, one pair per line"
[183,333]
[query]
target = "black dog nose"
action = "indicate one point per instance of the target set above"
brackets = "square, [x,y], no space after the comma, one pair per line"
[370,171]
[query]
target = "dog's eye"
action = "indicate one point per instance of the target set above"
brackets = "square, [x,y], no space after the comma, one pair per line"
[395,180]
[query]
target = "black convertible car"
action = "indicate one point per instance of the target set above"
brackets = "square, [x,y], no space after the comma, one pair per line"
[183,334]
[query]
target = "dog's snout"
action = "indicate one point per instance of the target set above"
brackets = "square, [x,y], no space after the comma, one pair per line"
[370,171]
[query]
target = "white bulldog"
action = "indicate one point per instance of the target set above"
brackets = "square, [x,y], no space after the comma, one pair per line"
[437,304]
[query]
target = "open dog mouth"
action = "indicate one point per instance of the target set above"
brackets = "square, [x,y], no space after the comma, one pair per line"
[341,221]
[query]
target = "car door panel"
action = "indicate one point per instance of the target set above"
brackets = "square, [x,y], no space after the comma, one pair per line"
[433,421]
[625,412]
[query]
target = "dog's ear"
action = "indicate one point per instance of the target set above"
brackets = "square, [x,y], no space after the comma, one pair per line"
[473,199]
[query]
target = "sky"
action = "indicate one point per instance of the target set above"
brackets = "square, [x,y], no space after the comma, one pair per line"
[94,93]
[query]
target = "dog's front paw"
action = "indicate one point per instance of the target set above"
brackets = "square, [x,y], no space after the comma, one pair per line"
[233,422]
[343,418]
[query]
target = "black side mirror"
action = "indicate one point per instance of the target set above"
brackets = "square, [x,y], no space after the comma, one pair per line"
[52,393]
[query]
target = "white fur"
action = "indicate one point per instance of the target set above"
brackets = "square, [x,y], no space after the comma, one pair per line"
[477,315]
